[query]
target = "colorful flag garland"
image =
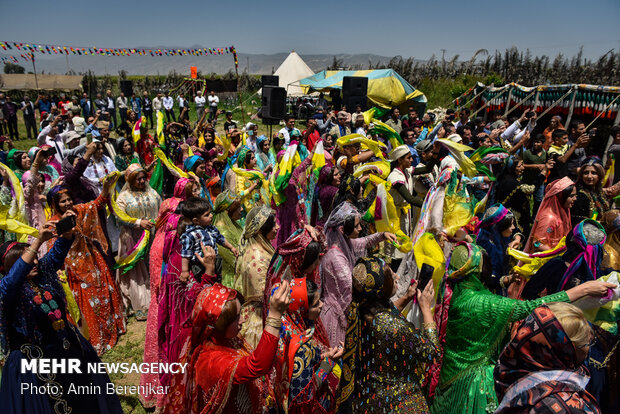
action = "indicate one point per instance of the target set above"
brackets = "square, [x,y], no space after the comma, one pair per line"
[56,49]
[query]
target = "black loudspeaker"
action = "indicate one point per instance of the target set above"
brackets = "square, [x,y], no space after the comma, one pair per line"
[270,80]
[354,92]
[127,87]
[352,101]
[273,103]
[354,86]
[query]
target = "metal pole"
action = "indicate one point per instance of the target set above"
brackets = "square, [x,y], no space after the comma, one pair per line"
[34,69]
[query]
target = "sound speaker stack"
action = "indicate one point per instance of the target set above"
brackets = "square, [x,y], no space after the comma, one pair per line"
[273,107]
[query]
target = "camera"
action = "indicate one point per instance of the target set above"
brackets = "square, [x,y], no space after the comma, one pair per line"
[530,114]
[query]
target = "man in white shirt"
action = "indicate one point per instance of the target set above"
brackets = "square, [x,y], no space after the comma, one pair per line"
[168,106]
[121,104]
[111,108]
[514,132]
[158,104]
[213,102]
[49,136]
[200,102]
[289,123]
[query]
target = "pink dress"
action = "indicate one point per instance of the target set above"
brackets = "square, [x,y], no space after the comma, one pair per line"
[166,228]
[336,275]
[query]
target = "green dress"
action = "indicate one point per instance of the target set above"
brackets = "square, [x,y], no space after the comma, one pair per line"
[477,329]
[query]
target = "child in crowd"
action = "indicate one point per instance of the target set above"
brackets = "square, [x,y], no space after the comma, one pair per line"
[200,232]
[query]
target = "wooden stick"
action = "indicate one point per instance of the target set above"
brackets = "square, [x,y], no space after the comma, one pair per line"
[520,102]
[488,103]
[466,103]
[603,111]
[555,103]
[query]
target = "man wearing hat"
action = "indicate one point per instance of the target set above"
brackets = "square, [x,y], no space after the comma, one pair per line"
[342,128]
[429,154]
[104,136]
[404,196]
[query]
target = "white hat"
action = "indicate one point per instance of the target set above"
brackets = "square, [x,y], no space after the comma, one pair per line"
[455,138]
[398,152]
[71,135]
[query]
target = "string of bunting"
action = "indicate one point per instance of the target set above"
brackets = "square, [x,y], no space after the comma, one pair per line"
[91,51]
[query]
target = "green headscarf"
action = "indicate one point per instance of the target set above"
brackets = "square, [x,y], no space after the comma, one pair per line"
[10,158]
[241,156]
[223,201]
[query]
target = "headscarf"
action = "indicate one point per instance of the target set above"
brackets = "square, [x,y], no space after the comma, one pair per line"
[368,281]
[254,221]
[12,163]
[259,142]
[217,364]
[190,162]
[131,170]
[589,236]
[223,201]
[241,156]
[333,230]
[53,196]
[180,186]
[539,370]
[494,215]
[592,161]
[296,330]
[324,194]
[551,211]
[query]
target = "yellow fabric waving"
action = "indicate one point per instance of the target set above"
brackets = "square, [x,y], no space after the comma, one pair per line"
[458,153]
[16,222]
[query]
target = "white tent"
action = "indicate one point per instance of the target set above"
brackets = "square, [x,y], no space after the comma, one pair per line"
[290,72]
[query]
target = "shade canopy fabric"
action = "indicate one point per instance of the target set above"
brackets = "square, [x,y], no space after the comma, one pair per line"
[386,88]
[14,81]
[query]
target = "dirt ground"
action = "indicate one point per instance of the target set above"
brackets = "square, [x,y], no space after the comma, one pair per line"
[130,348]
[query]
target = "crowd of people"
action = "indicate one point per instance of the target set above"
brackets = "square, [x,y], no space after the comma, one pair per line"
[369,263]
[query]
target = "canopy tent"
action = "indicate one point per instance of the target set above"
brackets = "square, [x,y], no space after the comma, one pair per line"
[386,88]
[567,100]
[290,72]
[14,81]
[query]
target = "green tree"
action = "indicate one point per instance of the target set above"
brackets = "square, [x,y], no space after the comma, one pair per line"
[13,68]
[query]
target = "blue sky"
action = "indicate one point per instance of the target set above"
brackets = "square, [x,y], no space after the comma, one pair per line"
[407,28]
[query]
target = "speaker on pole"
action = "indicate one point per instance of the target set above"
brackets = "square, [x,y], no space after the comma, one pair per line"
[127,87]
[354,92]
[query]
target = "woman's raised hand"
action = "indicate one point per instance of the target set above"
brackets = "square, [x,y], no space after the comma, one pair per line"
[278,304]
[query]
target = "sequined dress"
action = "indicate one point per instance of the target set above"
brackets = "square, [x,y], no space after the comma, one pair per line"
[394,355]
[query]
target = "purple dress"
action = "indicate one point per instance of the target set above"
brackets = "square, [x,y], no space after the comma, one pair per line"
[336,275]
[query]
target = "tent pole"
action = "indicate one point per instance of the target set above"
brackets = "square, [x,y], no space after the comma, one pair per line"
[508,102]
[34,69]
[472,99]
[572,108]
[488,103]
[519,103]
[603,111]
[556,103]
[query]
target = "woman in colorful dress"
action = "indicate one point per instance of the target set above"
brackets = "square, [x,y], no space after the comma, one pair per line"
[164,228]
[99,167]
[474,325]
[590,197]
[226,216]
[553,218]
[345,247]
[126,154]
[307,374]
[138,200]
[386,356]
[265,160]
[34,324]
[88,273]
[223,376]
[326,190]
[18,161]
[248,188]
[542,368]
[255,252]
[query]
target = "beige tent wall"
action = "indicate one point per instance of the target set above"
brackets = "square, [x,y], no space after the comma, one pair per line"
[13,81]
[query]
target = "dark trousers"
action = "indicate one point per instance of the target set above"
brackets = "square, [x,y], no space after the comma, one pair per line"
[12,124]
[169,115]
[123,114]
[112,113]
[149,116]
[212,113]
[31,126]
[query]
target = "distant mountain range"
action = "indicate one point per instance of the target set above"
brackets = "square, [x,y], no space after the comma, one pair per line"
[147,65]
